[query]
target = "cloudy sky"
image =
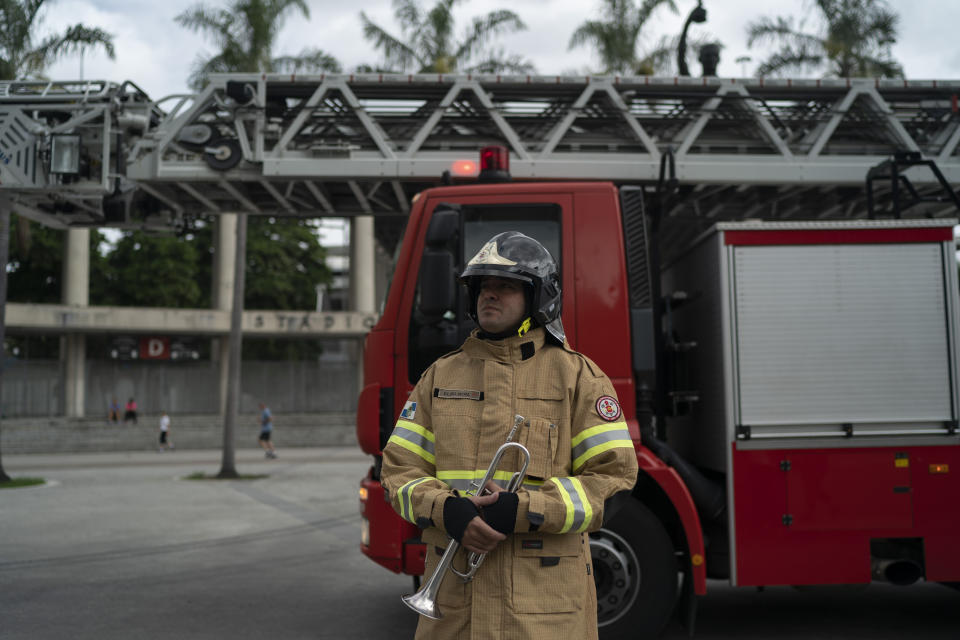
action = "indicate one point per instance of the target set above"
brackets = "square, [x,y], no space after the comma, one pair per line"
[156,53]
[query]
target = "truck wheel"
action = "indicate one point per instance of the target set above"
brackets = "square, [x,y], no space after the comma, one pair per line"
[635,570]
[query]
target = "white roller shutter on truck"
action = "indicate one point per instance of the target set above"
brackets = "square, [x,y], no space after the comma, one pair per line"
[832,336]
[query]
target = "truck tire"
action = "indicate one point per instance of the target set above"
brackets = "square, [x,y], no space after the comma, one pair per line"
[636,573]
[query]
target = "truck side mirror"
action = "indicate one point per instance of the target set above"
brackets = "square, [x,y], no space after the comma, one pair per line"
[437,279]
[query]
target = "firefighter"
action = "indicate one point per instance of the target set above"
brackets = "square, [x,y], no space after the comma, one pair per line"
[536,581]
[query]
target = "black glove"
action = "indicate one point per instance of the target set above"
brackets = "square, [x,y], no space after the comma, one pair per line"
[502,514]
[457,514]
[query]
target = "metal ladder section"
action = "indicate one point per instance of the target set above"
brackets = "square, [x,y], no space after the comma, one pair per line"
[363,144]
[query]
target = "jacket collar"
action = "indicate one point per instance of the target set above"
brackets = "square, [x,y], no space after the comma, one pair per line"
[512,349]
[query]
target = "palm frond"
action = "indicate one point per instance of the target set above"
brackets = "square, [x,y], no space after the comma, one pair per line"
[789,59]
[591,31]
[308,60]
[498,62]
[782,29]
[486,27]
[74,39]
[647,7]
[395,52]
[407,13]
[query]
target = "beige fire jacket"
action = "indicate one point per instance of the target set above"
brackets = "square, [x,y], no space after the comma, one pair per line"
[538,583]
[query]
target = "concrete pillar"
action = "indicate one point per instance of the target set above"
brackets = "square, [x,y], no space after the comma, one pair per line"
[224,254]
[363,277]
[76,292]
[363,296]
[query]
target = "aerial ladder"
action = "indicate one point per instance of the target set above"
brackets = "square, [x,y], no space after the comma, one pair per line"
[96,153]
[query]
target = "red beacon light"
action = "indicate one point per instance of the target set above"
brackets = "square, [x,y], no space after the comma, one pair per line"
[464,169]
[494,164]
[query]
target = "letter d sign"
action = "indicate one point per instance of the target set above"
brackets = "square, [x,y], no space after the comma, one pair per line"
[154,348]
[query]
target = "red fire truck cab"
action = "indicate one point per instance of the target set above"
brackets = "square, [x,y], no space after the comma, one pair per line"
[791,389]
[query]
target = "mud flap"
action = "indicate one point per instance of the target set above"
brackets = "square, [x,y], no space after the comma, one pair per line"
[686,610]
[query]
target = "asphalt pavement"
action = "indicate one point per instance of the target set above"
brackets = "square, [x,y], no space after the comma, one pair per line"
[120,545]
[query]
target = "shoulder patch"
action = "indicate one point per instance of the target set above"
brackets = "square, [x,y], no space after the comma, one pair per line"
[608,408]
[409,410]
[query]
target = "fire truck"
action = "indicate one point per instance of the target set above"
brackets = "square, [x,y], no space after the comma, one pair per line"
[790,386]
[763,267]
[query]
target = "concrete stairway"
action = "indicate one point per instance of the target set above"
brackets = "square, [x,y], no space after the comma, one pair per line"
[64,435]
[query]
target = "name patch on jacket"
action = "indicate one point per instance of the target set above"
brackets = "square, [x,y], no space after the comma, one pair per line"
[458,394]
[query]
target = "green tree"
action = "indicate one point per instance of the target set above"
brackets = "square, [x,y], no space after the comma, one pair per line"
[428,45]
[285,262]
[35,270]
[854,38]
[35,275]
[245,33]
[616,37]
[150,271]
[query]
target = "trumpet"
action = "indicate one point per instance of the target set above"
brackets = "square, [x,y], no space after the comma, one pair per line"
[424,601]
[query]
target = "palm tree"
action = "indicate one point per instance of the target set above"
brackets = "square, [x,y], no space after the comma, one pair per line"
[854,39]
[245,33]
[616,37]
[427,43]
[21,56]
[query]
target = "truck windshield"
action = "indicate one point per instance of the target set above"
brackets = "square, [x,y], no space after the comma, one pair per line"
[430,340]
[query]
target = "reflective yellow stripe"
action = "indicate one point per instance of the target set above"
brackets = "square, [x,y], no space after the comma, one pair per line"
[600,428]
[600,448]
[409,446]
[568,522]
[587,509]
[405,496]
[460,478]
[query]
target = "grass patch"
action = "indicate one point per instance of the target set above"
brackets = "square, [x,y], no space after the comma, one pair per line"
[16,483]
[200,475]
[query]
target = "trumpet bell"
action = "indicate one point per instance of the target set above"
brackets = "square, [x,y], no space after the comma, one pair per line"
[424,604]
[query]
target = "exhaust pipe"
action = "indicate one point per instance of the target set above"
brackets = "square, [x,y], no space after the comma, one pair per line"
[901,571]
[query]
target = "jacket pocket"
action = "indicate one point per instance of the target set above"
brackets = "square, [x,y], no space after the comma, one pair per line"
[539,436]
[453,591]
[548,573]
[544,402]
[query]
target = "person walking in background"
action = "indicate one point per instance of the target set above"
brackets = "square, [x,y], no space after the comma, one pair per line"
[113,411]
[266,430]
[131,411]
[165,442]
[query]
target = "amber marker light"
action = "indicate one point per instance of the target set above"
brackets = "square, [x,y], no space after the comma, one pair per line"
[940,468]
[465,169]
[363,494]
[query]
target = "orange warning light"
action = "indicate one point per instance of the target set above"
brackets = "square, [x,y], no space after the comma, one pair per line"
[465,169]
[940,468]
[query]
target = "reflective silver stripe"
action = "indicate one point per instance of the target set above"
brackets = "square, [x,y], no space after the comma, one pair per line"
[595,440]
[414,438]
[404,497]
[464,485]
[400,431]
[579,512]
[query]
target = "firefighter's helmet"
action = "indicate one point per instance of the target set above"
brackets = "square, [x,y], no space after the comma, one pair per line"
[513,255]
